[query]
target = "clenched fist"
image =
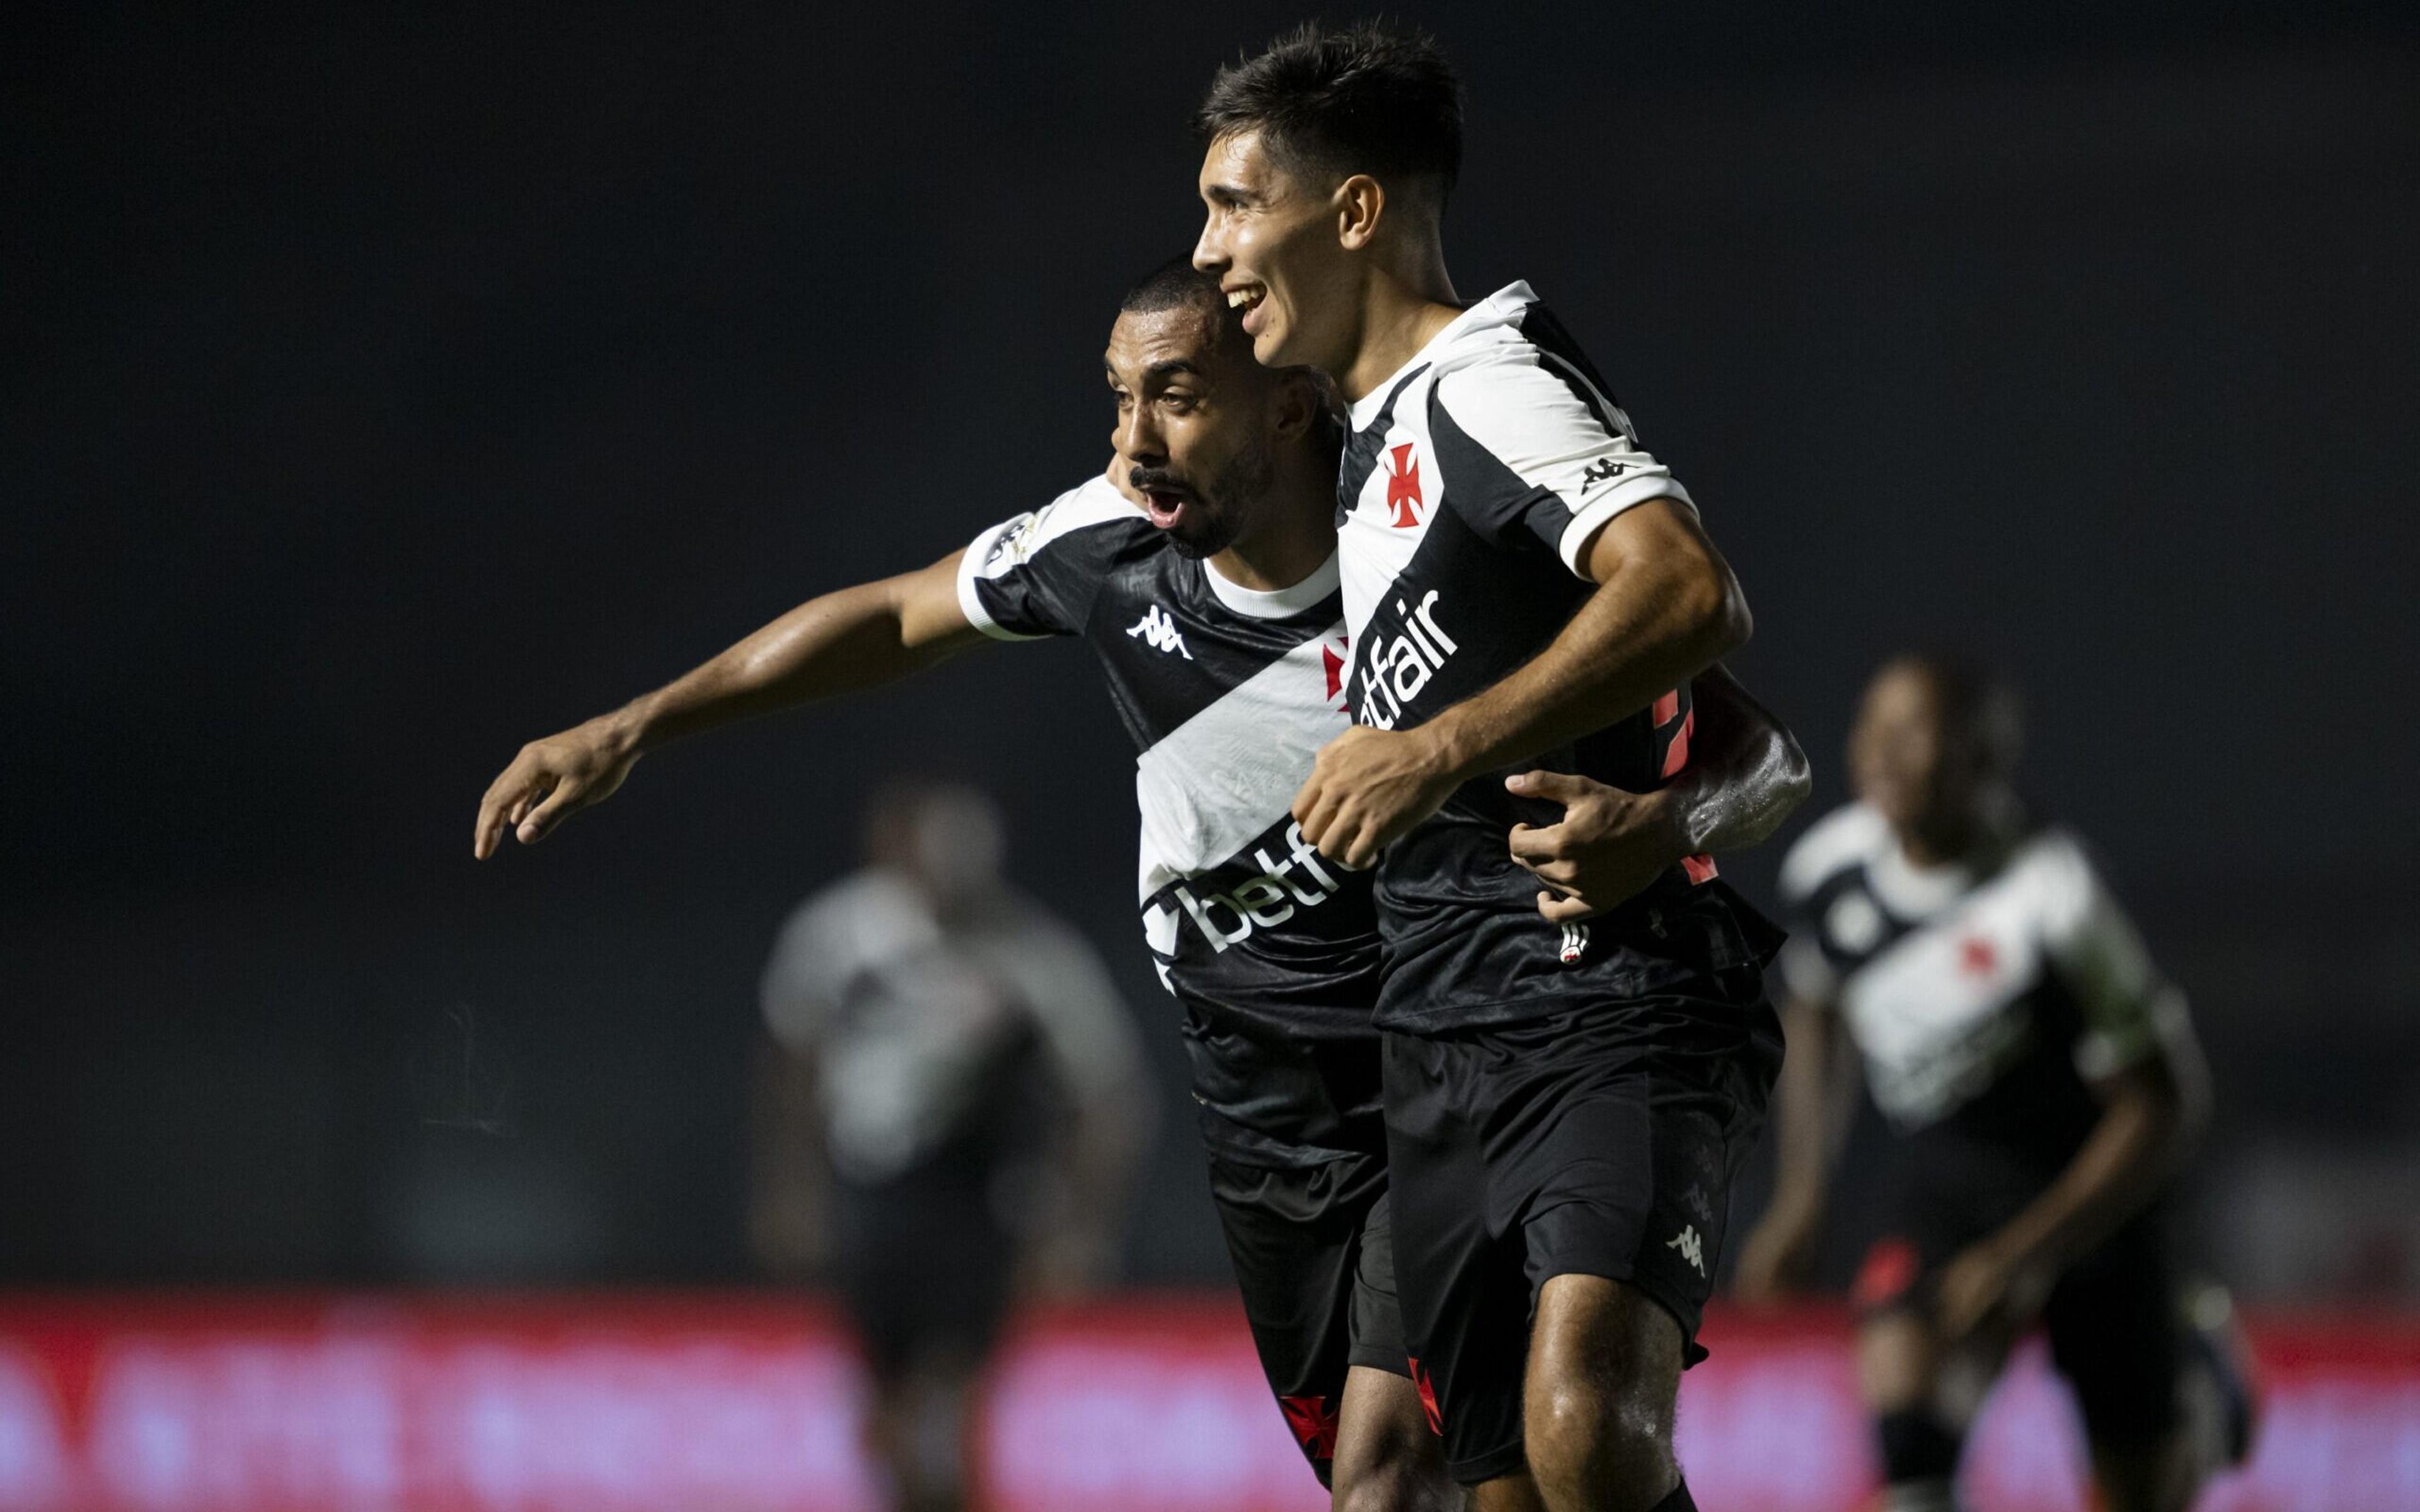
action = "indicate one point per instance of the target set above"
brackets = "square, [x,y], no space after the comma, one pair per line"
[1369,787]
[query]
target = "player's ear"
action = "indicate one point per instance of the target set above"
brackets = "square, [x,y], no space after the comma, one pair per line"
[1359,203]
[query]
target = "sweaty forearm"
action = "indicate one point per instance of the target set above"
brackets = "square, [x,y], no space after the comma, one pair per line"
[1650,627]
[842,642]
[1745,772]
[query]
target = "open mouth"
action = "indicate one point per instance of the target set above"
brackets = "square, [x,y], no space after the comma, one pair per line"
[1248,298]
[1165,508]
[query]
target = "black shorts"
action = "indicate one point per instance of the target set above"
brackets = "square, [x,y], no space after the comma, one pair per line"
[2111,1317]
[1598,1141]
[1314,1259]
[924,1265]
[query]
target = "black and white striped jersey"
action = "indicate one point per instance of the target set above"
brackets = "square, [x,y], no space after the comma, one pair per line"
[1228,693]
[1984,999]
[1472,481]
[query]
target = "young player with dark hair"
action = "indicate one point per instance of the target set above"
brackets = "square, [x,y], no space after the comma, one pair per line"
[2042,1083]
[1568,1097]
[1202,572]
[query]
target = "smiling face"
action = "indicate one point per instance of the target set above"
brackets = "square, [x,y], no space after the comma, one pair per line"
[1271,240]
[1196,422]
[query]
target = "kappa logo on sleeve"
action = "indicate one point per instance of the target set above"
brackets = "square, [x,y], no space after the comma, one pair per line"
[1604,470]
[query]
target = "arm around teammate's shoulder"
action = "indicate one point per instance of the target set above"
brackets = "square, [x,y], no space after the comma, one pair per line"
[842,642]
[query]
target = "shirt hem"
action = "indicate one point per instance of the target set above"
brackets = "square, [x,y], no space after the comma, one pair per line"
[1592,516]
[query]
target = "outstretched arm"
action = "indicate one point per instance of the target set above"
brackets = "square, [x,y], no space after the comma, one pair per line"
[1665,608]
[857,638]
[1745,775]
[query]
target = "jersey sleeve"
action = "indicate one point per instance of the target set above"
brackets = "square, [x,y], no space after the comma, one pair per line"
[1086,1027]
[798,988]
[2128,1010]
[1837,840]
[1037,575]
[1534,452]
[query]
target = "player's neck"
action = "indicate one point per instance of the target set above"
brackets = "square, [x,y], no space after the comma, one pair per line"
[1292,536]
[1401,311]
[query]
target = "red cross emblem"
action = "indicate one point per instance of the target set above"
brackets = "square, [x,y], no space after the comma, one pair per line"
[1335,667]
[1313,1423]
[1976,956]
[1428,1398]
[1403,487]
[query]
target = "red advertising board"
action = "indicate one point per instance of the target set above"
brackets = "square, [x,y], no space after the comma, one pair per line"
[205,1402]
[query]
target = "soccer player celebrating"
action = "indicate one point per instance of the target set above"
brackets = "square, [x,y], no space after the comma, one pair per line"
[1523,585]
[2042,1081]
[1202,572]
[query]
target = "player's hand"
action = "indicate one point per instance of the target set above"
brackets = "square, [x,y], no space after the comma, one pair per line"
[1986,1283]
[1608,846]
[1369,787]
[552,777]
[1775,1262]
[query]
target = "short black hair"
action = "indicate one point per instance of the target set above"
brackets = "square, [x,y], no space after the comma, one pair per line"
[1175,285]
[1178,285]
[1371,97]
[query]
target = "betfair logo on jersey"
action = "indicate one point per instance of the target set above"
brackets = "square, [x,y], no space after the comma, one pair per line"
[1264,902]
[1395,668]
[1403,487]
[1159,632]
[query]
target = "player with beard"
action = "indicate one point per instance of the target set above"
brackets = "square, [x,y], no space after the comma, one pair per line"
[2041,1082]
[1203,573]
[1524,585]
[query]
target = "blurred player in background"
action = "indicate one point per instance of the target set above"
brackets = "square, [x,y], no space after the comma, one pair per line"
[1202,573]
[2042,1083]
[954,1060]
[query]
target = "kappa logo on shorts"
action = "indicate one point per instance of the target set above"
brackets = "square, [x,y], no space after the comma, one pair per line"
[1691,1251]
[1159,631]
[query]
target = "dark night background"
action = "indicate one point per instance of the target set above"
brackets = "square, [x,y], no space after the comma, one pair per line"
[390,386]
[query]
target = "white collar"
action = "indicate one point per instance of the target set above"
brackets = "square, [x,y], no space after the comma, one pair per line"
[1276,603]
[1914,891]
[1494,310]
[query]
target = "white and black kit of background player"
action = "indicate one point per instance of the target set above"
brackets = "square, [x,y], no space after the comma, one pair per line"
[1270,949]
[1985,999]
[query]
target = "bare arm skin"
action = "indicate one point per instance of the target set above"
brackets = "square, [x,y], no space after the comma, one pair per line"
[841,643]
[1746,775]
[1665,608]
[2150,1113]
[1812,1104]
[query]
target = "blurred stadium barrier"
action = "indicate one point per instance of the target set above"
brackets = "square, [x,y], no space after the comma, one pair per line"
[209,1402]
